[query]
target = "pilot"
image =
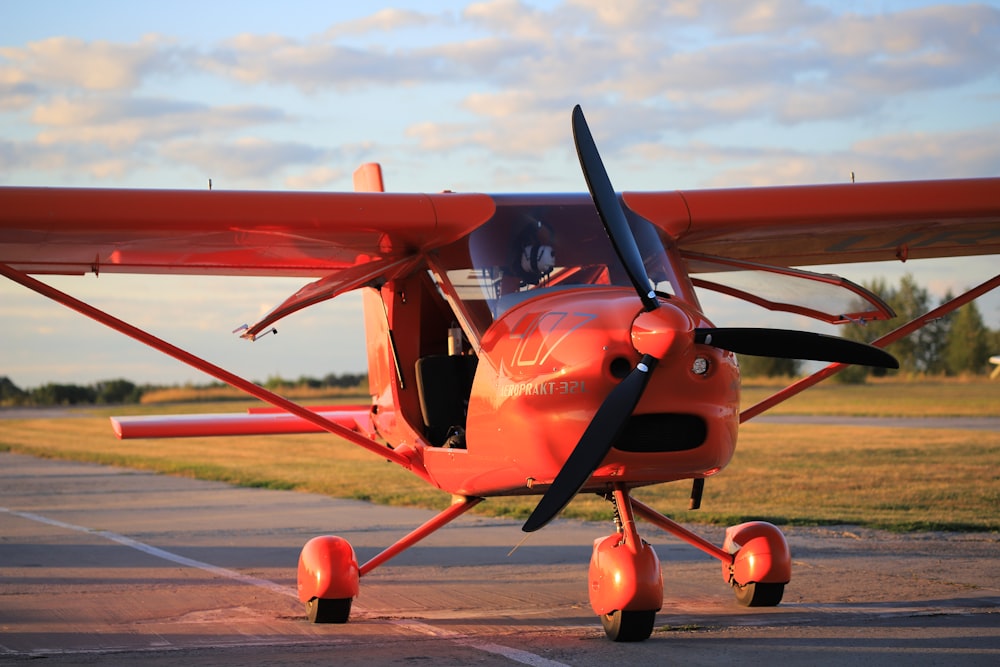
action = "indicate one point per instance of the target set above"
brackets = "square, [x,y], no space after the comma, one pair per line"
[533,256]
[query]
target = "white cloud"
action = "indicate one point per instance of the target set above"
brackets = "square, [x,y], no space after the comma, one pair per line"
[965,153]
[517,20]
[119,122]
[779,61]
[79,64]
[383,20]
[313,65]
[315,178]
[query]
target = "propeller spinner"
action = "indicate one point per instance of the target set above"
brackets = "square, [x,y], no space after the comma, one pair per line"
[613,414]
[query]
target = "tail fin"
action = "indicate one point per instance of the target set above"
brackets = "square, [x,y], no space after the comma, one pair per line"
[368,178]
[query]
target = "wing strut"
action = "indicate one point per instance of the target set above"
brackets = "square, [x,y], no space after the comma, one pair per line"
[209,368]
[884,341]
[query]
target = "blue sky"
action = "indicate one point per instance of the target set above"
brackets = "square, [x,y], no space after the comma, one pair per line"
[463,96]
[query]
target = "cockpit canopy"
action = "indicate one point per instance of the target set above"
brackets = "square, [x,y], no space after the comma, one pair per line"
[558,244]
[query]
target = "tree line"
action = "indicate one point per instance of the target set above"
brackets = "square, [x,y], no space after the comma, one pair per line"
[120,391]
[959,343]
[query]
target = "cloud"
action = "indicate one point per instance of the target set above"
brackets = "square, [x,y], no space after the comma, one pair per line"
[904,33]
[16,95]
[919,155]
[513,19]
[112,136]
[721,17]
[634,14]
[643,72]
[900,156]
[384,20]
[247,158]
[119,122]
[315,64]
[315,178]
[70,160]
[67,62]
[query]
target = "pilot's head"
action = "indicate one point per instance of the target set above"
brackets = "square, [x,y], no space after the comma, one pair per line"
[535,255]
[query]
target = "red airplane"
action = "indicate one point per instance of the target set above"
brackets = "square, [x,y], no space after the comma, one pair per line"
[527,344]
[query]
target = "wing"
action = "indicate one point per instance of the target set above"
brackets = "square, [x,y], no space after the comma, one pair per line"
[831,224]
[65,230]
[72,231]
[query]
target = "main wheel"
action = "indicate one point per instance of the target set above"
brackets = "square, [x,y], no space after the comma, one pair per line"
[628,626]
[322,610]
[759,594]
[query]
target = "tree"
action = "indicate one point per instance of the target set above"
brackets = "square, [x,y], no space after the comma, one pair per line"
[117,391]
[10,393]
[968,347]
[919,352]
[62,394]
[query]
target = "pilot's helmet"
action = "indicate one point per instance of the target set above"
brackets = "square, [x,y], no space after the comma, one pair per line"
[536,256]
[538,259]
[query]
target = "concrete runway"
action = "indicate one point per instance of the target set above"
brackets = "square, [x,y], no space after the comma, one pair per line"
[109,565]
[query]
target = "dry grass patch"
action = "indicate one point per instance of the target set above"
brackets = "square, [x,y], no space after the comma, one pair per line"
[898,479]
[924,397]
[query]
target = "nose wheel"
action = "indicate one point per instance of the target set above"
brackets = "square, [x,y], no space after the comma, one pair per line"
[626,586]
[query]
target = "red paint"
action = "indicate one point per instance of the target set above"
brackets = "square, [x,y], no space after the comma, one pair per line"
[328,569]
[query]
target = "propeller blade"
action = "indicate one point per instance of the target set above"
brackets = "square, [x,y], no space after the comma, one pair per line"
[610,210]
[789,344]
[594,445]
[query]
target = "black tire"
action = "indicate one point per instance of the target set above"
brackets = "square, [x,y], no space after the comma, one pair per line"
[759,594]
[320,610]
[628,626]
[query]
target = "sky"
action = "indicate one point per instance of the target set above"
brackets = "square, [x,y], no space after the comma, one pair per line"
[462,96]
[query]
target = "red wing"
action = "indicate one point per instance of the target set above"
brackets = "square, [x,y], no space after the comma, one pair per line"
[831,224]
[67,230]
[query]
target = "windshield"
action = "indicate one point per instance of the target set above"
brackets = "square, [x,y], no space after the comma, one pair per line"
[533,244]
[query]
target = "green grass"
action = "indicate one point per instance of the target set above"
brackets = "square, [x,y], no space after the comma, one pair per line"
[896,479]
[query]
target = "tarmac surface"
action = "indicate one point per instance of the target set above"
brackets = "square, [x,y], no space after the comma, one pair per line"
[115,566]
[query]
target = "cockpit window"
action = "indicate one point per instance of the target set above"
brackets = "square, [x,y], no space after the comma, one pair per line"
[530,246]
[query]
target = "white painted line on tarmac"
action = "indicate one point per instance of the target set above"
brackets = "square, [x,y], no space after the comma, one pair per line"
[516,655]
[159,553]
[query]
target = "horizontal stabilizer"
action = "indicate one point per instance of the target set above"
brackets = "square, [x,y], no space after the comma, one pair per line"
[356,418]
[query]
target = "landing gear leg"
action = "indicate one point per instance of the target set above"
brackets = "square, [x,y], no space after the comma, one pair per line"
[626,586]
[329,572]
[755,558]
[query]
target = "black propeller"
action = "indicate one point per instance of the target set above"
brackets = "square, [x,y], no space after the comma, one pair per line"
[594,445]
[611,417]
[786,344]
[610,210]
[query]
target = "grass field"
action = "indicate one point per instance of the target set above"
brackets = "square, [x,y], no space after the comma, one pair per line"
[897,479]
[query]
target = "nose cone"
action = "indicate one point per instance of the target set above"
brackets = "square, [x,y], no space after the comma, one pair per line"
[654,332]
